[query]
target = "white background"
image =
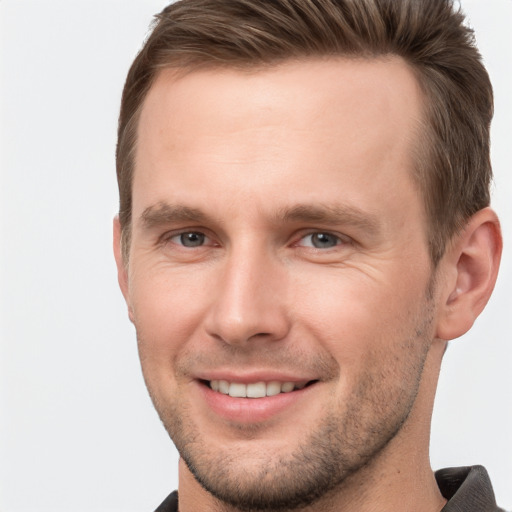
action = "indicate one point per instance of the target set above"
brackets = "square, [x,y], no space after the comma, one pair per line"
[77,430]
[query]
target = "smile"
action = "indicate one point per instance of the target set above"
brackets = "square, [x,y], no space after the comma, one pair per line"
[256,389]
[251,400]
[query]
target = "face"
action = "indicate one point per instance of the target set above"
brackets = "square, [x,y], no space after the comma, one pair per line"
[278,271]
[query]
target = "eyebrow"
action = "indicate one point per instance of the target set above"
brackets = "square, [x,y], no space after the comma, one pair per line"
[163,213]
[331,215]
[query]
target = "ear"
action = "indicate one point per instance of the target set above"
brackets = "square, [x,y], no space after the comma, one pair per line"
[471,262]
[122,266]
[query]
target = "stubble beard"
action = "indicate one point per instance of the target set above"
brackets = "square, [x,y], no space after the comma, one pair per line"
[321,463]
[325,459]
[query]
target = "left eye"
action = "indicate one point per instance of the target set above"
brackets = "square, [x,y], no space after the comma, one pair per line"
[189,239]
[320,240]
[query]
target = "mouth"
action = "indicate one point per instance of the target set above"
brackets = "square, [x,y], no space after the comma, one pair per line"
[255,389]
[254,400]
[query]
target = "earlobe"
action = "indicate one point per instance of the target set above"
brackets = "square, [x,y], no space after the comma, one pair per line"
[122,267]
[473,260]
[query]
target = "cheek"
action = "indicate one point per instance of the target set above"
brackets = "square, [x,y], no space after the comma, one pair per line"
[379,337]
[354,314]
[167,310]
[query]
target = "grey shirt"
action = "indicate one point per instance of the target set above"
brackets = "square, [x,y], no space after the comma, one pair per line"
[467,489]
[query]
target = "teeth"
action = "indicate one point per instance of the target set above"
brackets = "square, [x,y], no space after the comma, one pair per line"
[287,387]
[237,390]
[258,390]
[254,390]
[223,387]
[274,388]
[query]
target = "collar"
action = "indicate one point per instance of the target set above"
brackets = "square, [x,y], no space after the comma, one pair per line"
[466,489]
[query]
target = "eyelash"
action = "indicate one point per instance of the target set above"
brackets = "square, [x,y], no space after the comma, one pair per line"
[170,236]
[339,240]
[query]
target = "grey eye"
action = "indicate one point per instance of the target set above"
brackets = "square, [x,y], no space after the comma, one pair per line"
[321,240]
[191,239]
[324,240]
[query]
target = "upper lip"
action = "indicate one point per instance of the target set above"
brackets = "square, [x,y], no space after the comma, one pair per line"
[253,376]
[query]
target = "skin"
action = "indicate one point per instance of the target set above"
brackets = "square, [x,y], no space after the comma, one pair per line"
[257,165]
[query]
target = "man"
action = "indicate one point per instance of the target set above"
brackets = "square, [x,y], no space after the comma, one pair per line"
[304,224]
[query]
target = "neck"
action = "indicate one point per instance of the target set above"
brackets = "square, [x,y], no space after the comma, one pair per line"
[399,479]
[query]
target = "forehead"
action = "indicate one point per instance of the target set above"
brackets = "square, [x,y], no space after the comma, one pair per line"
[307,89]
[292,124]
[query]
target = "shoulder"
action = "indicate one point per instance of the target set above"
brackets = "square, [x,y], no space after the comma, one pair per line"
[170,504]
[467,488]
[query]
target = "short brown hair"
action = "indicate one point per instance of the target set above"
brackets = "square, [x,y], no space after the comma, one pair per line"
[453,166]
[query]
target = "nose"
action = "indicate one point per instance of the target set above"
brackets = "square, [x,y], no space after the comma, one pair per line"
[249,300]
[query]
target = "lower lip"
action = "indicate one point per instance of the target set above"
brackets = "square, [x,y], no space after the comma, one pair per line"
[251,410]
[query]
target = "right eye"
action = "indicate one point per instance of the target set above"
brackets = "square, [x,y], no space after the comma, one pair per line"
[189,239]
